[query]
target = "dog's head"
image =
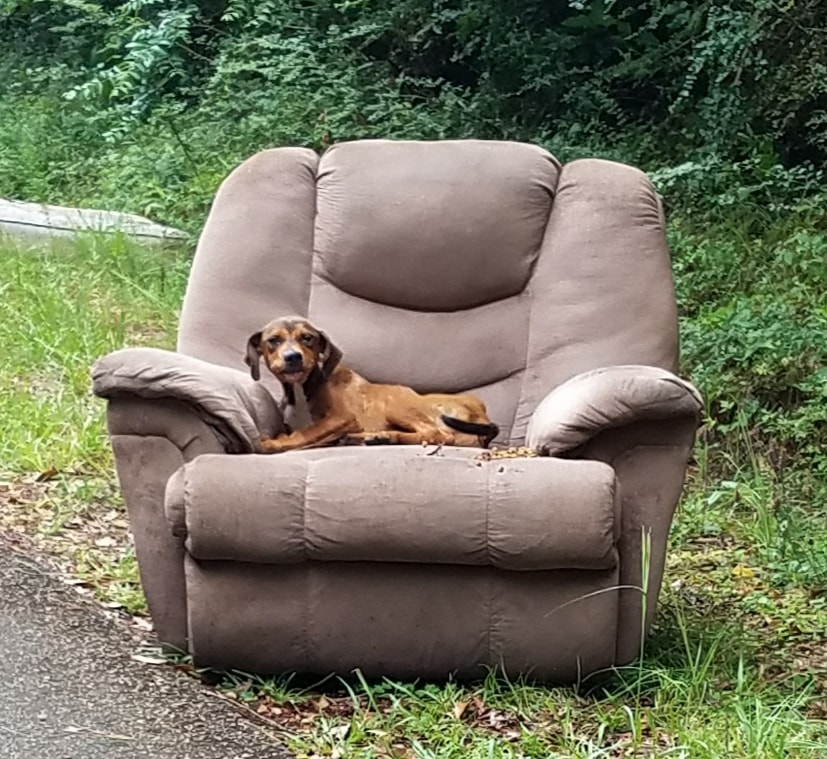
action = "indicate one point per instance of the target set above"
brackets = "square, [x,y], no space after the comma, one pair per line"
[293,350]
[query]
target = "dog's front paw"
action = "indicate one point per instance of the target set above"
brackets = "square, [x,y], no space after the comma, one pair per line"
[363,439]
[272,444]
[378,440]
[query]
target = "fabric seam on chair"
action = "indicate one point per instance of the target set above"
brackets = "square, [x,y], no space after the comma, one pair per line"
[305,484]
[488,593]
[620,562]
[221,438]
[429,310]
[309,578]
[628,451]
[507,375]
[504,378]
[488,552]
[186,508]
[309,573]
[532,301]
[553,193]
[195,438]
[617,510]
[313,224]
[425,309]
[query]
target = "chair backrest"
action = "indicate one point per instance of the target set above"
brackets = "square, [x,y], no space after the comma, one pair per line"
[450,266]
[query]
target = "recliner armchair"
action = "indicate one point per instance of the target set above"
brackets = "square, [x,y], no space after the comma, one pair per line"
[470,266]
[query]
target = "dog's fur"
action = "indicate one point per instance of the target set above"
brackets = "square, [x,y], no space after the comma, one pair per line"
[346,407]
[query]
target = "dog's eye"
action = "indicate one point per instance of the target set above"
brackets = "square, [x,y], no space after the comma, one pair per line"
[307,339]
[274,341]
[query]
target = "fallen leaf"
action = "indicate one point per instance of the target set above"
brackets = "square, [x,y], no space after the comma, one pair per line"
[243,686]
[48,474]
[340,731]
[98,733]
[144,623]
[149,658]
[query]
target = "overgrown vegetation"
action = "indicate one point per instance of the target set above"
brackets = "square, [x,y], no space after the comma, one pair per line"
[737,666]
[61,308]
[145,105]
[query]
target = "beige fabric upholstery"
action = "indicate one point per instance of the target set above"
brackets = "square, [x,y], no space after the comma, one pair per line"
[239,410]
[614,396]
[359,229]
[411,620]
[454,266]
[595,223]
[347,504]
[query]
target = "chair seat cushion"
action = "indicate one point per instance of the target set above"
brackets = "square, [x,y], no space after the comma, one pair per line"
[397,504]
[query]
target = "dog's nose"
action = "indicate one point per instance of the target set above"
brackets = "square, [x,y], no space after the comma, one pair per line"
[292,360]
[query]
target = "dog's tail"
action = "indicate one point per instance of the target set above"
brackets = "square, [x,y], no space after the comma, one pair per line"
[486,431]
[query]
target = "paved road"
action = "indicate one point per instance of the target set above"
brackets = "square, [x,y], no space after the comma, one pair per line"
[69,690]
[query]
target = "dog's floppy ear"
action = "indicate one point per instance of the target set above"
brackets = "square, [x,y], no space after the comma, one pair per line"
[329,357]
[253,355]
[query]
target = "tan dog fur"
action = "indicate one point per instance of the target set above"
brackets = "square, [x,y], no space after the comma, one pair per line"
[345,406]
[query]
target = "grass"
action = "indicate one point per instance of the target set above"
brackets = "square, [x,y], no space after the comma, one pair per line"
[737,664]
[61,307]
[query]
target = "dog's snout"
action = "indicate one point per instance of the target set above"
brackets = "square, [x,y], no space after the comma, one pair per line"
[292,359]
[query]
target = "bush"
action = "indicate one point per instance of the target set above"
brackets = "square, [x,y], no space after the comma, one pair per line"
[754,318]
[729,79]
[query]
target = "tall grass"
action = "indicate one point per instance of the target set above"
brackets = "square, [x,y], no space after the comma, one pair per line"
[61,307]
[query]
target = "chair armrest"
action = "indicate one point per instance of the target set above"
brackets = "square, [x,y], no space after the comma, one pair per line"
[239,410]
[615,396]
[641,420]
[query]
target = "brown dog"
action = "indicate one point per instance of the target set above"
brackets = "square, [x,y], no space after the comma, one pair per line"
[345,406]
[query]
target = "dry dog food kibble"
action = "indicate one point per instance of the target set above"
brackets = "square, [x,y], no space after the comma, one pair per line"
[507,453]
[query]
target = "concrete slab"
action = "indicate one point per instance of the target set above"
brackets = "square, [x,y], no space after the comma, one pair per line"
[32,220]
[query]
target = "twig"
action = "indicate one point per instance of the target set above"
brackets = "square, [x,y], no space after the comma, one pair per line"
[98,733]
[251,712]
